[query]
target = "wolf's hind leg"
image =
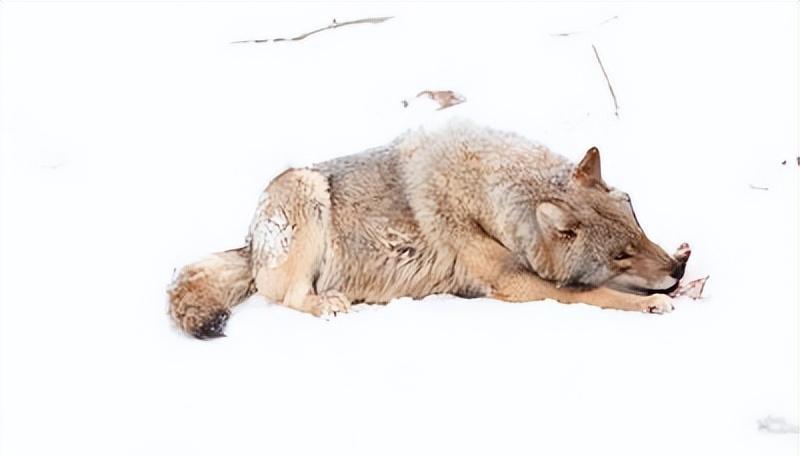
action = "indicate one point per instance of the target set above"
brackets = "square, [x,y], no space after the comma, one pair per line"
[289,237]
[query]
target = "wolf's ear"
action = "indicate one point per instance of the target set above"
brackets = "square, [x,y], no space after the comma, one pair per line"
[554,219]
[588,170]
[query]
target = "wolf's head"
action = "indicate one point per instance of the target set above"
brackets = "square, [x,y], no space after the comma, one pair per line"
[588,236]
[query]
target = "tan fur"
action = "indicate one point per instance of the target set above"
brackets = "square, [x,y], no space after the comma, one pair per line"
[203,292]
[465,210]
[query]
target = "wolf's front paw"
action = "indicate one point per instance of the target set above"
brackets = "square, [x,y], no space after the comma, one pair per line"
[331,302]
[657,304]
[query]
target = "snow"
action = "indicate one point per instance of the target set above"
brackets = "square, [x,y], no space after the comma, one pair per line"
[272,235]
[776,425]
[134,138]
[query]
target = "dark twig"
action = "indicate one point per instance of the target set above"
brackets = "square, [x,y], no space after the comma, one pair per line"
[586,29]
[333,25]
[610,89]
[756,187]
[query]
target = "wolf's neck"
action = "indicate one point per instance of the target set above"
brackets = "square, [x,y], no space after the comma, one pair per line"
[515,201]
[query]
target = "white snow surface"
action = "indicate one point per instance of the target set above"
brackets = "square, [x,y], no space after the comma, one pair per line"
[270,234]
[134,138]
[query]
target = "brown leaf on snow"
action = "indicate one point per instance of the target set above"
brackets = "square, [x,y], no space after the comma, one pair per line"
[693,289]
[445,98]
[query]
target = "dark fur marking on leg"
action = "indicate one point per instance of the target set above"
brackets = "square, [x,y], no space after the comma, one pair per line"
[470,292]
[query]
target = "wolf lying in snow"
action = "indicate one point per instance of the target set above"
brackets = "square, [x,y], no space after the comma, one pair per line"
[464,210]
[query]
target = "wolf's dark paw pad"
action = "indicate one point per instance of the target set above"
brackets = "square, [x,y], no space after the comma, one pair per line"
[213,327]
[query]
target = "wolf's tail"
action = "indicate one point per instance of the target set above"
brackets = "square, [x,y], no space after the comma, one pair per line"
[202,293]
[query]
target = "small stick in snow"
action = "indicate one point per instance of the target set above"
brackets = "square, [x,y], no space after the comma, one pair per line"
[610,89]
[756,187]
[445,98]
[333,25]
[585,29]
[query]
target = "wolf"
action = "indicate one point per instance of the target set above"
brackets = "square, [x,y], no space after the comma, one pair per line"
[463,210]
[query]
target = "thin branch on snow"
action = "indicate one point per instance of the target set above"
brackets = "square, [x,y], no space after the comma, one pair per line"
[585,29]
[610,89]
[333,25]
[756,187]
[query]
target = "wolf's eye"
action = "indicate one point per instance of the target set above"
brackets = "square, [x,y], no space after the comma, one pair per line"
[622,256]
[567,234]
